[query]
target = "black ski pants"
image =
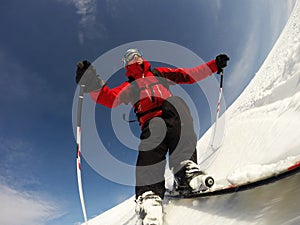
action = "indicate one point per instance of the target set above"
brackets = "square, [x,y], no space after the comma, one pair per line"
[173,133]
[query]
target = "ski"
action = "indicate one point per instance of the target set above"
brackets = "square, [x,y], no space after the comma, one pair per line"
[227,189]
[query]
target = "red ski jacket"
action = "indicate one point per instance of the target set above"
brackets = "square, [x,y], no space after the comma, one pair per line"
[151,92]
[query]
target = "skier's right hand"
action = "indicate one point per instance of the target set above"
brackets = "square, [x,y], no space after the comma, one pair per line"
[87,77]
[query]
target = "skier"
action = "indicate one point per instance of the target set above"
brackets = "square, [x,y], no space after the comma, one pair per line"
[165,120]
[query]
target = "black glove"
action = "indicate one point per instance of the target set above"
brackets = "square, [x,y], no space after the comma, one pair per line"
[221,61]
[86,75]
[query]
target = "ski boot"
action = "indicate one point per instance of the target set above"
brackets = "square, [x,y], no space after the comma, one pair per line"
[149,209]
[192,179]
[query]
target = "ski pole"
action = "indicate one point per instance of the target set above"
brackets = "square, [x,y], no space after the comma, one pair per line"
[218,109]
[78,155]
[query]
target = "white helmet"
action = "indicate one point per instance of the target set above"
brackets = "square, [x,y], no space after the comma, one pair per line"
[129,55]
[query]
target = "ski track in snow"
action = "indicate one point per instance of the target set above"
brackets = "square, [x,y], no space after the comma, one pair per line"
[261,137]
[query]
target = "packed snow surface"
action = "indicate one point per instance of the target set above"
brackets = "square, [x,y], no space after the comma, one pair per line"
[251,173]
[261,135]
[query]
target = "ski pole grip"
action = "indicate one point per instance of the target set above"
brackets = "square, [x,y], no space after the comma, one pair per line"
[221,79]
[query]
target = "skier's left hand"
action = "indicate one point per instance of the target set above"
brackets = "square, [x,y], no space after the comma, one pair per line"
[86,76]
[221,61]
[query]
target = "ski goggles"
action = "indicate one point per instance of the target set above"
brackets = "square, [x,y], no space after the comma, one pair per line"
[130,54]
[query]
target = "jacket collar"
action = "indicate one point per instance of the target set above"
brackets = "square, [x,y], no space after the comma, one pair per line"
[136,71]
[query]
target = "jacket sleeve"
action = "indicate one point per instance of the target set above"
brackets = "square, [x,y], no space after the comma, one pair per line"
[112,97]
[189,75]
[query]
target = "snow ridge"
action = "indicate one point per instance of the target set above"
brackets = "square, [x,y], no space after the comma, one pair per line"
[262,125]
[279,76]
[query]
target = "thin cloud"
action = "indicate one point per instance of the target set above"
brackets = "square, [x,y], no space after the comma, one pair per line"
[89,27]
[218,5]
[86,9]
[251,49]
[283,9]
[216,8]
[16,162]
[19,206]
[247,60]
[22,208]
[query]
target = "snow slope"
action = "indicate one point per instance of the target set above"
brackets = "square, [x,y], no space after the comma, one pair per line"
[262,125]
[262,131]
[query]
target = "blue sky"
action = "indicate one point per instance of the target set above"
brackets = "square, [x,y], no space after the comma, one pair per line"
[40,43]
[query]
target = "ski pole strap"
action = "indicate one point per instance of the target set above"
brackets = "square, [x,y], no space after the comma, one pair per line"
[141,114]
[127,120]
